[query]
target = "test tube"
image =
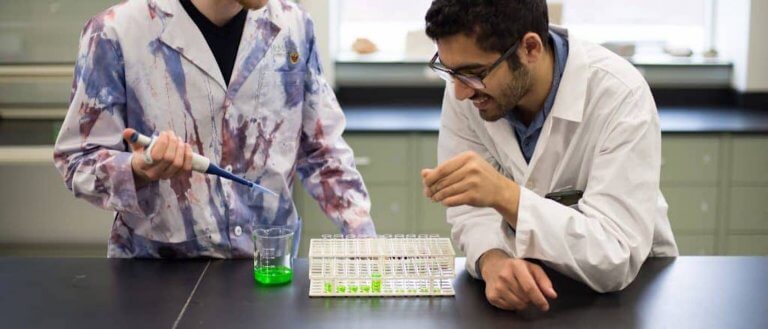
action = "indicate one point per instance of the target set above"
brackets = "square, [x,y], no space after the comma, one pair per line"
[376,283]
[341,287]
[434,244]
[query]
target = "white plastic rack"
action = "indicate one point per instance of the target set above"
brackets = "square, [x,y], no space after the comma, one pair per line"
[381,267]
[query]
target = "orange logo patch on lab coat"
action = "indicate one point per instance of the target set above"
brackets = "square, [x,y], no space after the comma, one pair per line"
[294,57]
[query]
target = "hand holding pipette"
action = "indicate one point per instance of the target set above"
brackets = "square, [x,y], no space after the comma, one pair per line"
[166,155]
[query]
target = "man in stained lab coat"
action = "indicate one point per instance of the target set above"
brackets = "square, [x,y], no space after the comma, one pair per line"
[236,81]
[529,110]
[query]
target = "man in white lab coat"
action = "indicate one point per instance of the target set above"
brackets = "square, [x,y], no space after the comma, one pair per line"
[528,111]
[236,81]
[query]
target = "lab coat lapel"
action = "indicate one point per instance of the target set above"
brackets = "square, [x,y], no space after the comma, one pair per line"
[563,120]
[183,36]
[258,35]
[509,150]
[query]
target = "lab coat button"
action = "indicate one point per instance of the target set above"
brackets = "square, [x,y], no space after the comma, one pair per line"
[238,230]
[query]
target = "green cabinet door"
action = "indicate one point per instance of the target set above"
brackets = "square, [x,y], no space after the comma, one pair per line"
[692,209]
[750,160]
[686,159]
[747,245]
[695,244]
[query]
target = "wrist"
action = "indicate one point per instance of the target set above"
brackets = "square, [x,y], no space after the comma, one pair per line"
[508,202]
[489,257]
[139,180]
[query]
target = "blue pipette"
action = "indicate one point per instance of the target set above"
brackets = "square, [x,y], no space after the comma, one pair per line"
[199,163]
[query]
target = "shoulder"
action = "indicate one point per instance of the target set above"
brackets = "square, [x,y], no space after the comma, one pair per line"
[129,17]
[611,72]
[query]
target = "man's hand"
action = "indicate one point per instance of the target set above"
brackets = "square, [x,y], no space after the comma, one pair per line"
[514,284]
[170,155]
[468,179]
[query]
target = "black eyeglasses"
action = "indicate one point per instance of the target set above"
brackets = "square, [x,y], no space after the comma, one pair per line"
[474,81]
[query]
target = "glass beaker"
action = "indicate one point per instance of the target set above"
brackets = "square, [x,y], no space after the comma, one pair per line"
[273,254]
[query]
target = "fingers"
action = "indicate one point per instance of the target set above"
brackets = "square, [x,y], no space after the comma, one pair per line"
[157,151]
[461,185]
[505,300]
[529,287]
[514,284]
[448,167]
[456,200]
[446,182]
[176,152]
[127,135]
[542,280]
[169,154]
[187,157]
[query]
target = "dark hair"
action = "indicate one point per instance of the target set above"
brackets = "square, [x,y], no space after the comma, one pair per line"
[496,24]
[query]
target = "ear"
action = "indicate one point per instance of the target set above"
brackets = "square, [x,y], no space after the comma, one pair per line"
[531,48]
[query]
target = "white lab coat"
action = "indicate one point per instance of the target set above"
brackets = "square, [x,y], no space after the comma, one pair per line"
[602,136]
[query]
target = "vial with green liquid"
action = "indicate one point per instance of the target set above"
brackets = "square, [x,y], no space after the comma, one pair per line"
[376,282]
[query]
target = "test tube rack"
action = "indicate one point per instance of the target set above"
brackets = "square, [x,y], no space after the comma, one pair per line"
[381,267]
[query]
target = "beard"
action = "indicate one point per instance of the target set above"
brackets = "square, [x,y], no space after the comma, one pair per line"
[510,95]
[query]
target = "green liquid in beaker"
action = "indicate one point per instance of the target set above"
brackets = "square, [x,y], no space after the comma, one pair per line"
[272,275]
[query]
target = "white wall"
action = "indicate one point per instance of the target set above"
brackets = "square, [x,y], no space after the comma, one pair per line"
[742,37]
[757,56]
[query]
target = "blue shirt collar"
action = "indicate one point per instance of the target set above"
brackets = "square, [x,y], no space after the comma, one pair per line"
[523,133]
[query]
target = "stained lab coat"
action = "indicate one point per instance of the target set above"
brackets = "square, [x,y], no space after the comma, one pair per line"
[144,64]
[602,136]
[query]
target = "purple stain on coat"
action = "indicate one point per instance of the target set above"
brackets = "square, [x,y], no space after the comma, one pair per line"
[333,185]
[265,140]
[182,185]
[285,6]
[102,172]
[155,12]
[264,36]
[233,142]
[175,71]
[135,115]
[313,61]
[104,74]
[89,115]
[101,72]
[292,75]
[285,210]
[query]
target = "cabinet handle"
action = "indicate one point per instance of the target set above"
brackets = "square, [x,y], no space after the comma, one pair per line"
[36,71]
[26,155]
[704,206]
[362,161]
[394,208]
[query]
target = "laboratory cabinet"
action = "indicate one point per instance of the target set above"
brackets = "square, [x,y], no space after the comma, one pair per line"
[716,185]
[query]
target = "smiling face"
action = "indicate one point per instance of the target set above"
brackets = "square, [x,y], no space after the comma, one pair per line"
[504,86]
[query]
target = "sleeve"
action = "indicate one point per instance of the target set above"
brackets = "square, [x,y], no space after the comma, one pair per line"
[89,151]
[325,163]
[475,230]
[605,242]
